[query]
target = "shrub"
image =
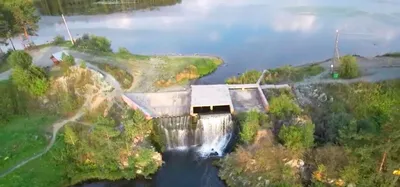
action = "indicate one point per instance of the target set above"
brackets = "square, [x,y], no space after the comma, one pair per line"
[68,59]
[249,77]
[123,53]
[290,73]
[58,40]
[250,123]
[20,59]
[32,80]
[83,65]
[284,106]
[348,67]
[297,137]
[94,43]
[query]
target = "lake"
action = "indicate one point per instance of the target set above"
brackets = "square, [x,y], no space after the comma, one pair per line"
[247,34]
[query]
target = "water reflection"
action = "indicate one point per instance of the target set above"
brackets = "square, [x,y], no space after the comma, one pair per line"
[93,7]
[248,34]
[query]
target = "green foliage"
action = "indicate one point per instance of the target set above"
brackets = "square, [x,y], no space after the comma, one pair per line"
[32,80]
[250,123]
[20,59]
[297,137]
[95,44]
[261,165]
[83,65]
[369,132]
[11,102]
[67,62]
[249,77]
[156,138]
[58,40]
[68,59]
[19,16]
[110,150]
[348,67]
[291,74]
[122,76]
[283,107]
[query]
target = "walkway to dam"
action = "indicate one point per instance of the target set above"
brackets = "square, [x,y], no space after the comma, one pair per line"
[202,99]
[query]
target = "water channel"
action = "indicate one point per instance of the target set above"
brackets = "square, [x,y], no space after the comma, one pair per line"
[247,34]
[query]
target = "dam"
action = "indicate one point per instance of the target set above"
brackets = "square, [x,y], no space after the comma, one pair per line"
[199,99]
[201,116]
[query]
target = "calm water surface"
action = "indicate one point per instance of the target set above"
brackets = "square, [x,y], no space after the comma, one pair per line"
[247,34]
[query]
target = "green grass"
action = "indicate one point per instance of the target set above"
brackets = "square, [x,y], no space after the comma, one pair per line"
[288,74]
[22,137]
[47,170]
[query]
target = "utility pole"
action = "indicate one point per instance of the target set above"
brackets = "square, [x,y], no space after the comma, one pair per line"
[335,52]
[69,33]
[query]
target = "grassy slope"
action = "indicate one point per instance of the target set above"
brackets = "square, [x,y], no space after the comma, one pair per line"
[48,170]
[22,137]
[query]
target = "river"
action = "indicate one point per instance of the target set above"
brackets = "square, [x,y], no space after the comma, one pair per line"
[247,34]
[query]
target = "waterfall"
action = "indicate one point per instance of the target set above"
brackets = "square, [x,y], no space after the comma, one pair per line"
[211,133]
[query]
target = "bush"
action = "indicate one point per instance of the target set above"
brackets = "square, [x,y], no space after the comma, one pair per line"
[93,43]
[83,65]
[20,59]
[297,137]
[32,80]
[283,106]
[58,40]
[291,74]
[68,59]
[250,123]
[249,77]
[348,67]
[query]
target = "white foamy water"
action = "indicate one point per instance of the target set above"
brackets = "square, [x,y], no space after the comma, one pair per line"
[211,133]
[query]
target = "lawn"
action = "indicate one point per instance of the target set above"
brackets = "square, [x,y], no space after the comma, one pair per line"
[23,137]
[47,170]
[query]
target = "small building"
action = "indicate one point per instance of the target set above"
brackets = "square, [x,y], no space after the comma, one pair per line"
[210,98]
[57,57]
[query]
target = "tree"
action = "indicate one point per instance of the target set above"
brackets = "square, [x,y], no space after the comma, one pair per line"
[23,19]
[20,59]
[348,67]
[32,80]
[7,26]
